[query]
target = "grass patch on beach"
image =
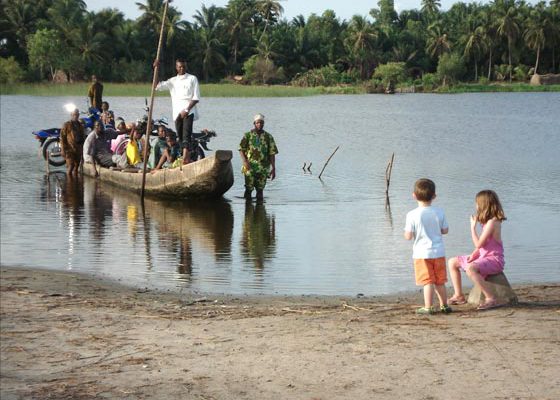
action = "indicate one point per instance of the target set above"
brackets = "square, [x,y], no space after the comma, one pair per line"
[144,90]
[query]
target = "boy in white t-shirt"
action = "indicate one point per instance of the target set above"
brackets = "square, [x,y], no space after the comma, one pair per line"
[426,224]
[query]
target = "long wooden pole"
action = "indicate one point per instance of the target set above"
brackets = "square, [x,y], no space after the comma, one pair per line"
[154,84]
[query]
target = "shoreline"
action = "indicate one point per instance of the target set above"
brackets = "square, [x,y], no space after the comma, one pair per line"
[70,336]
[230,90]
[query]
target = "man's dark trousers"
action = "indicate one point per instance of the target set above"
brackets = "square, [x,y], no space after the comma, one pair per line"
[184,127]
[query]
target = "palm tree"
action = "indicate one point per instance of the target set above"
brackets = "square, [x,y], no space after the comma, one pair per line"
[360,42]
[535,33]
[508,27]
[430,8]
[438,42]
[238,19]
[270,11]
[208,21]
[475,44]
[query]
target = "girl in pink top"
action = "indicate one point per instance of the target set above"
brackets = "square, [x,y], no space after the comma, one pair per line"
[488,255]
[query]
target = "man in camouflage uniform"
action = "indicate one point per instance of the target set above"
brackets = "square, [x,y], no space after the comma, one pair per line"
[258,154]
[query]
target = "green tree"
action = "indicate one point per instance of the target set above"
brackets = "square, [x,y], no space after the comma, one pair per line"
[10,71]
[209,21]
[535,33]
[270,11]
[450,68]
[390,73]
[508,27]
[238,19]
[360,43]
[475,45]
[45,51]
[438,43]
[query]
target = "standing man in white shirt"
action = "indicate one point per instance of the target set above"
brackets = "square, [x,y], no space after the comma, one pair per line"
[185,94]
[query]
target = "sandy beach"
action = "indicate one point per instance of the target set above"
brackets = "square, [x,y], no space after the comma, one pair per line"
[70,336]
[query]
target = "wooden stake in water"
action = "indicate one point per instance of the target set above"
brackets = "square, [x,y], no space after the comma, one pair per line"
[325,166]
[388,171]
[154,83]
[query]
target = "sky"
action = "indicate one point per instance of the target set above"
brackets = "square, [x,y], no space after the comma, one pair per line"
[344,9]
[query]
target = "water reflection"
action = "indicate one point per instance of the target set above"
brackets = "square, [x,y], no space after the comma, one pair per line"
[179,228]
[258,241]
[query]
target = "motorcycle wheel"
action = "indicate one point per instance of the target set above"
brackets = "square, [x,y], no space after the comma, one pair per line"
[52,153]
[199,154]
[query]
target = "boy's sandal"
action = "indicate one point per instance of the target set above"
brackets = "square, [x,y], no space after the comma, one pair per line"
[425,311]
[457,300]
[487,305]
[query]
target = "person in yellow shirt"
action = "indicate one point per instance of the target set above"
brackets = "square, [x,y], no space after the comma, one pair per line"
[134,148]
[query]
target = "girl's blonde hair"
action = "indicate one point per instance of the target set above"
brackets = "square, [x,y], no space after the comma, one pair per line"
[488,207]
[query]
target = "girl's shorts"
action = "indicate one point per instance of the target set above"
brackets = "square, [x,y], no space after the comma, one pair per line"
[430,270]
[486,265]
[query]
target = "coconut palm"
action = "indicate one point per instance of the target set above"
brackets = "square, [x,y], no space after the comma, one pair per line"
[508,27]
[430,8]
[475,45]
[535,33]
[360,42]
[437,43]
[270,11]
[208,22]
[238,18]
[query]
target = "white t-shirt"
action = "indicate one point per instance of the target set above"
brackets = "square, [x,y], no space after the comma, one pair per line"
[183,89]
[426,224]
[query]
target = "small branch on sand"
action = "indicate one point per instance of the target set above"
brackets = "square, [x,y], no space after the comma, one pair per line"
[324,166]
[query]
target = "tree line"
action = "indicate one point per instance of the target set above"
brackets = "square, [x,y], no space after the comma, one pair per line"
[501,40]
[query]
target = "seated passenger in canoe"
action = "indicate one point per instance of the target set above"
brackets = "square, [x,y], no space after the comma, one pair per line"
[172,154]
[107,116]
[123,131]
[98,148]
[158,147]
[135,149]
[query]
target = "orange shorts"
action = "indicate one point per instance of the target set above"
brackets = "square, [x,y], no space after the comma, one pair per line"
[430,270]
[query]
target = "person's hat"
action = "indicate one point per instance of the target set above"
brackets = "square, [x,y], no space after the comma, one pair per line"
[258,117]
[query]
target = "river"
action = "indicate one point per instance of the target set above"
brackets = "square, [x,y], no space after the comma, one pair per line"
[334,236]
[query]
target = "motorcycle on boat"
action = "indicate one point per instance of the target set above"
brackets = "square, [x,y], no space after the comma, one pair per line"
[49,139]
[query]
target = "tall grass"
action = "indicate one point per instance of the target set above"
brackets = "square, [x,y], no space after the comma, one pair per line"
[144,90]
[498,87]
[234,90]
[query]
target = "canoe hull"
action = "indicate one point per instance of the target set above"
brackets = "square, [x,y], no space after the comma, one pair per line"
[210,177]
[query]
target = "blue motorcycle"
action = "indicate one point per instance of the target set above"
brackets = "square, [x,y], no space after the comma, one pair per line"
[49,139]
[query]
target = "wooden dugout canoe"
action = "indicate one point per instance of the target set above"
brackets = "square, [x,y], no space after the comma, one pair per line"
[210,177]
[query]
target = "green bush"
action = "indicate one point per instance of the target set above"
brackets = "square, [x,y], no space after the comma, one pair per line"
[391,73]
[483,80]
[324,76]
[10,71]
[521,73]
[501,72]
[429,81]
[261,70]
[451,68]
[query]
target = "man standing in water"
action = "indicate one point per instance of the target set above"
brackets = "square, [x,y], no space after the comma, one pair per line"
[258,154]
[72,137]
[95,93]
[185,94]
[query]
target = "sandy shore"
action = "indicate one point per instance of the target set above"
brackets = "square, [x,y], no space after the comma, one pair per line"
[67,336]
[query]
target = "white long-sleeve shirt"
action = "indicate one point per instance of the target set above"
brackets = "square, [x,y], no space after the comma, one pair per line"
[183,89]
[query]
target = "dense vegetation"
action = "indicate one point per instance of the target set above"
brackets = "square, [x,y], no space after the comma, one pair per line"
[504,40]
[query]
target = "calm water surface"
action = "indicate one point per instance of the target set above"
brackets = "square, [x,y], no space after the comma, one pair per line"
[333,236]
